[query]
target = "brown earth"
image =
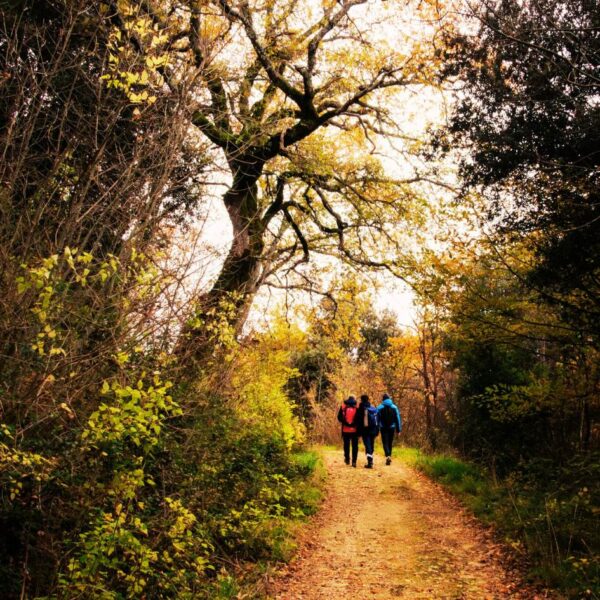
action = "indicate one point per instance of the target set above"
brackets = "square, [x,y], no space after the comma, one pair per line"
[392,533]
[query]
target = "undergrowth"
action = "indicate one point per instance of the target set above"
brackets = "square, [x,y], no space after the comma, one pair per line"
[275,535]
[547,513]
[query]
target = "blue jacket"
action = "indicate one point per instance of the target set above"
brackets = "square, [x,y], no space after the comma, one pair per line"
[397,426]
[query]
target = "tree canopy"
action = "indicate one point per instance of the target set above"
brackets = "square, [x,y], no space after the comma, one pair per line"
[528,118]
[296,115]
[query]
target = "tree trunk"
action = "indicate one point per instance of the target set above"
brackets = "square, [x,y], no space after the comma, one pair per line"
[585,426]
[241,269]
[429,392]
[229,300]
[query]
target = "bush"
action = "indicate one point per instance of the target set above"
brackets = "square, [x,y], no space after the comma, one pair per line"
[162,491]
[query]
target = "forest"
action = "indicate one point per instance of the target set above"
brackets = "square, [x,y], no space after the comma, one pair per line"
[220,218]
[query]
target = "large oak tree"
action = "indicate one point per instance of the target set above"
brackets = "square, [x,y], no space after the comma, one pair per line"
[294,96]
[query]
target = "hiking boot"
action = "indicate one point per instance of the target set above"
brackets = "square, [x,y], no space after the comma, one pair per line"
[347,461]
[354,465]
[369,466]
[388,461]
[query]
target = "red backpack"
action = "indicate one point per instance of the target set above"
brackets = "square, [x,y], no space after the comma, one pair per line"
[349,415]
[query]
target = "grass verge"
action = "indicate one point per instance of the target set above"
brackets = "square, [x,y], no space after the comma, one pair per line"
[548,516]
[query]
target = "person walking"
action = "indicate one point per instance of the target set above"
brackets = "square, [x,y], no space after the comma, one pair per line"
[368,427]
[390,425]
[347,416]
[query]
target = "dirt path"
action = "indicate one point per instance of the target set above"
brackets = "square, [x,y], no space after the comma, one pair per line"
[392,533]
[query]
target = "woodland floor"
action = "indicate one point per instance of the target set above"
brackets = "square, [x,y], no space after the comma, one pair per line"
[392,533]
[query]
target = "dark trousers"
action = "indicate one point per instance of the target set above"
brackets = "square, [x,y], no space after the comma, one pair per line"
[387,439]
[369,442]
[350,438]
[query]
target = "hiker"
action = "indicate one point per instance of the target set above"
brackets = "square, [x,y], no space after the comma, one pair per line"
[347,416]
[368,427]
[390,424]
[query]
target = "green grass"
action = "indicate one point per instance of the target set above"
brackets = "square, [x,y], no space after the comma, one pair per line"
[463,479]
[308,480]
[552,521]
[305,461]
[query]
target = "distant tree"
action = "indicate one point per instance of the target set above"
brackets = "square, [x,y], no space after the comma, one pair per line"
[376,331]
[434,371]
[523,381]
